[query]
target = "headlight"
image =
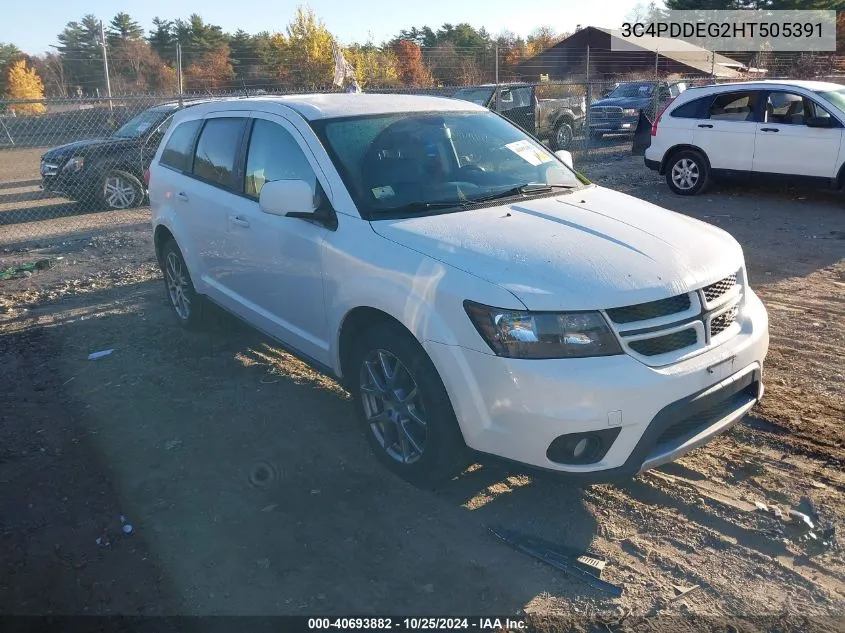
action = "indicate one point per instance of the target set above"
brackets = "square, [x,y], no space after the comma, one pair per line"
[630,112]
[74,164]
[522,334]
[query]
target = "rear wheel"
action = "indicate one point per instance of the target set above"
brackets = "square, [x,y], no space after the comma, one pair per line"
[562,137]
[186,304]
[404,408]
[687,172]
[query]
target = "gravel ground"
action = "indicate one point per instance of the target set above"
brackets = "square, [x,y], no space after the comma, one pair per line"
[172,430]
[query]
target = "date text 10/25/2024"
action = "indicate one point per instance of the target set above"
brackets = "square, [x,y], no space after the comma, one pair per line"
[416,624]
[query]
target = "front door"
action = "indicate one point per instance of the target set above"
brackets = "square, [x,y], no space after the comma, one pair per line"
[727,134]
[276,263]
[517,104]
[785,145]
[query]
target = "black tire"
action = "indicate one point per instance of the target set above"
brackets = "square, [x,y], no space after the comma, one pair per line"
[562,136]
[192,318]
[444,453]
[121,190]
[687,172]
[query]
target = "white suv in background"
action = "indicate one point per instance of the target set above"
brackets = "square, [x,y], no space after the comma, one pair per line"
[775,129]
[468,287]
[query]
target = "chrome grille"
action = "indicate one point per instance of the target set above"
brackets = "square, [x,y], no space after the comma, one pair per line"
[650,310]
[664,344]
[719,289]
[722,322]
[604,113]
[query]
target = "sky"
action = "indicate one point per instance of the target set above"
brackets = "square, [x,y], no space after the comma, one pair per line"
[34,31]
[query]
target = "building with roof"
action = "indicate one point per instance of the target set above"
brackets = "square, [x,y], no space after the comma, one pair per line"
[607,53]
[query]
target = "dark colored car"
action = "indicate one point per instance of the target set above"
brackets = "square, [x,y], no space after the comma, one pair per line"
[108,171]
[619,111]
[534,108]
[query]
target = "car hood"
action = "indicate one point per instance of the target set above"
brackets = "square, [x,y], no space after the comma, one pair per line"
[623,102]
[82,147]
[592,248]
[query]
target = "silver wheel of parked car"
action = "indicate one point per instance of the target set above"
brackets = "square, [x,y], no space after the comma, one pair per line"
[121,190]
[393,406]
[687,172]
[186,303]
[177,287]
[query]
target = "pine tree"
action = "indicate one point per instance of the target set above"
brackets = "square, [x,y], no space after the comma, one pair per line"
[162,39]
[81,54]
[123,28]
[24,83]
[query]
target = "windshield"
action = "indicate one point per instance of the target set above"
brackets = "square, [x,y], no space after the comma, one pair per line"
[478,96]
[141,124]
[412,162]
[836,97]
[639,89]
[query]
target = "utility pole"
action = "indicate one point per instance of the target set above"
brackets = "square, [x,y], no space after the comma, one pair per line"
[496,51]
[105,62]
[179,72]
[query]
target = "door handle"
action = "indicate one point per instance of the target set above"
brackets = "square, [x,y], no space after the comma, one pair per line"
[769,129]
[239,221]
[705,125]
[182,196]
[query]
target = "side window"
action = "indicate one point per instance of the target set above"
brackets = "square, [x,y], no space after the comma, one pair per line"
[813,109]
[217,150]
[695,109]
[734,106]
[785,108]
[177,152]
[274,155]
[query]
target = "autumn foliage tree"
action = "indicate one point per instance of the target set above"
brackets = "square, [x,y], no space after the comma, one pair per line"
[212,71]
[410,67]
[24,83]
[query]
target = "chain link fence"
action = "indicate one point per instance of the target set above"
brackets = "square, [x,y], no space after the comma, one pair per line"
[76,165]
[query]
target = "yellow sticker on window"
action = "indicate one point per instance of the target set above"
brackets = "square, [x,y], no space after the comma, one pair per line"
[383,192]
[529,153]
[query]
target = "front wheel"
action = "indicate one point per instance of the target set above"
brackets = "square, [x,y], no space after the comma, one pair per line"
[687,173]
[121,190]
[404,408]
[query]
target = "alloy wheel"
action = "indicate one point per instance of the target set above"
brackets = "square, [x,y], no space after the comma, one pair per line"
[178,286]
[685,174]
[119,193]
[393,406]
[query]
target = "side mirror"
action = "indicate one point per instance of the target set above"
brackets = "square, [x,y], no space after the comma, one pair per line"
[819,121]
[287,197]
[565,156]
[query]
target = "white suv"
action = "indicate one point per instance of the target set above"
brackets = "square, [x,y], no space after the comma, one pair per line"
[764,129]
[468,287]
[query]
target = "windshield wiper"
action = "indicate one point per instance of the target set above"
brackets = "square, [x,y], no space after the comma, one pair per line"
[527,188]
[427,206]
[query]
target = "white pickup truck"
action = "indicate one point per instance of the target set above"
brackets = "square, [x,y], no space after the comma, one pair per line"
[473,292]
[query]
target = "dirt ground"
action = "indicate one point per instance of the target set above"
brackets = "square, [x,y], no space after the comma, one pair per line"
[250,489]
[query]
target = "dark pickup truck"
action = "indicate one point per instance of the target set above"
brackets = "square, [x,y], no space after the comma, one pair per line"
[555,119]
[619,111]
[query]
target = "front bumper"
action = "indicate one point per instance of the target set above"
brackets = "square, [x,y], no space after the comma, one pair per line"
[69,186]
[625,124]
[515,409]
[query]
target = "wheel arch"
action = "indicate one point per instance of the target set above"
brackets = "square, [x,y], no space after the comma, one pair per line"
[680,147]
[161,236]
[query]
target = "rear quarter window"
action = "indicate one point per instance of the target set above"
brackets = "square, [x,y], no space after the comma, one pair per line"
[695,109]
[179,150]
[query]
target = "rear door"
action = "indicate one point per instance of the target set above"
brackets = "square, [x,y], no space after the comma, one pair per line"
[727,132]
[211,192]
[785,145]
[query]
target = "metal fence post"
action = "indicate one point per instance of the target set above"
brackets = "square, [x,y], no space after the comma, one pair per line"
[105,62]
[179,72]
[588,88]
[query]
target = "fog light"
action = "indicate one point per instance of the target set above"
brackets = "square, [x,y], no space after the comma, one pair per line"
[582,448]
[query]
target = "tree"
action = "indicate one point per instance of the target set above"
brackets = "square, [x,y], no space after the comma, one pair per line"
[212,71]
[123,28]
[8,53]
[136,67]
[511,51]
[308,61]
[410,67]
[52,71]
[162,39]
[373,66]
[541,38]
[24,83]
[197,38]
[81,54]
